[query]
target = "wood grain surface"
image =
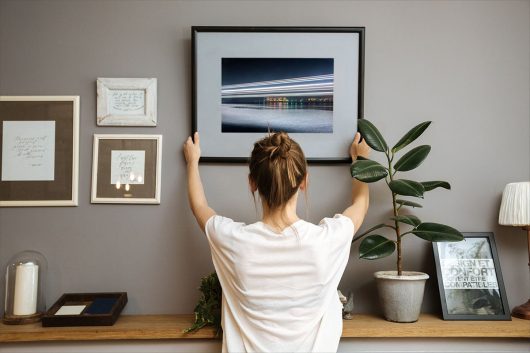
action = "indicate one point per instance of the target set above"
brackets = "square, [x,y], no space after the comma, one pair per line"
[155,327]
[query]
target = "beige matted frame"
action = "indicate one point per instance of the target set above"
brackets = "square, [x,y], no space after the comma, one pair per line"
[63,190]
[103,191]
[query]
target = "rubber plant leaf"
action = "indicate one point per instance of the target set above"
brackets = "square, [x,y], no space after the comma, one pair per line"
[373,137]
[368,171]
[406,187]
[437,232]
[375,247]
[410,136]
[408,219]
[431,185]
[408,203]
[412,158]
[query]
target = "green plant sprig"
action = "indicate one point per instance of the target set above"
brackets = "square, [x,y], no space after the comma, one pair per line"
[208,308]
[375,246]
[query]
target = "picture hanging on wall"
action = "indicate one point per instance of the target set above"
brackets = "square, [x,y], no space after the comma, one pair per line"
[126,101]
[470,279]
[126,169]
[306,81]
[40,148]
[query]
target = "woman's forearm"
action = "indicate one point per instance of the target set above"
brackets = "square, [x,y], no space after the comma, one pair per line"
[197,198]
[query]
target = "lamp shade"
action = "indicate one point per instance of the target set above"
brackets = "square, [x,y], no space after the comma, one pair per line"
[515,205]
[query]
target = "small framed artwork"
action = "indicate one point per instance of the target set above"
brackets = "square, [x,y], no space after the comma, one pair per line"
[470,279]
[306,81]
[126,101]
[39,139]
[126,169]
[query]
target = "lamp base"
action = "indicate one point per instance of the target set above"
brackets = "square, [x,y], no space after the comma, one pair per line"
[522,311]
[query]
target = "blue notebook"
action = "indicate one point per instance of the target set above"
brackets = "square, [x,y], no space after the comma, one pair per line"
[101,306]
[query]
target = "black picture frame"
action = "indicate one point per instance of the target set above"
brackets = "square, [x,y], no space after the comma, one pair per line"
[246,142]
[470,279]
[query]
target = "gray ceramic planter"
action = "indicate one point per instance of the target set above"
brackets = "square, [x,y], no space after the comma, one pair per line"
[401,296]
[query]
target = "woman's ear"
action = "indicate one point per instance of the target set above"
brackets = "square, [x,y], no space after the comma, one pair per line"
[252,185]
[305,183]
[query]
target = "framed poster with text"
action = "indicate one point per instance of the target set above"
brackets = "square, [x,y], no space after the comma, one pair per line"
[470,279]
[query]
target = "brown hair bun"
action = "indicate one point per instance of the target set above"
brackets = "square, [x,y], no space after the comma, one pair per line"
[280,145]
[278,167]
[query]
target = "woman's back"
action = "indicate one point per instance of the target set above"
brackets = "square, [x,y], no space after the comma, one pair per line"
[280,289]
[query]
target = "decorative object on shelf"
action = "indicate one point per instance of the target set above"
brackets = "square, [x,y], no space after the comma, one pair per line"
[470,279]
[400,292]
[40,150]
[85,309]
[347,305]
[307,81]
[126,101]
[208,309]
[25,287]
[515,211]
[126,169]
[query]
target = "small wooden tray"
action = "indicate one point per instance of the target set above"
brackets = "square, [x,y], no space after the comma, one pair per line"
[101,309]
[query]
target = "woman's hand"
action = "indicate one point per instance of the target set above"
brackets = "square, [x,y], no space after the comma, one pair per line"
[359,148]
[192,149]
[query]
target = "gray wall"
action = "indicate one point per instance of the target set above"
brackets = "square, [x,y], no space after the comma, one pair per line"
[462,64]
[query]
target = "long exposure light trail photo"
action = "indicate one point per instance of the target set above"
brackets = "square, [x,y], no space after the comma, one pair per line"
[277,94]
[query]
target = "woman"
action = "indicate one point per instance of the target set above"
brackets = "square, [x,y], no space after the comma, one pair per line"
[279,275]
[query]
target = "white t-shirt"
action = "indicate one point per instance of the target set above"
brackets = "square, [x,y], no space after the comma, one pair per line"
[280,290]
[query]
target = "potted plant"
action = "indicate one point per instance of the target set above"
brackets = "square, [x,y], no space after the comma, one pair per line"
[400,292]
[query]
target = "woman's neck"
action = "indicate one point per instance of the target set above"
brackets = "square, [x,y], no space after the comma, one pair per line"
[281,218]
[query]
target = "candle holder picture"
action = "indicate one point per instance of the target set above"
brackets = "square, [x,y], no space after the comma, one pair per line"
[25,279]
[126,169]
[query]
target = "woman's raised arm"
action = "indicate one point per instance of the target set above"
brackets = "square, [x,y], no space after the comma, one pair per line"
[197,198]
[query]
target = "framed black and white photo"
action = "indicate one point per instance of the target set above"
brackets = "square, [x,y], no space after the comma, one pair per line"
[126,101]
[470,279]
[40,147]
[306,81]
[126,169]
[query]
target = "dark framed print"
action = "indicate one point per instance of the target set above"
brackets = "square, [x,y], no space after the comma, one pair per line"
[126,169]
[470,279]
[306,81]
[39,139]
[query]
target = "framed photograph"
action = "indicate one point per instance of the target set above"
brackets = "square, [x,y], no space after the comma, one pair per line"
[40,150]
[306,81]
[126,101]
[470,279]
[126,169]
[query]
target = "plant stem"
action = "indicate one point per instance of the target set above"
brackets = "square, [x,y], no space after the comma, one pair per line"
[396,214]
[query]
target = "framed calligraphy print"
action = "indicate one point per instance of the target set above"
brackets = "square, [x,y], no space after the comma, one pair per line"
[39,141]
[470,279]
[126,169]
[126,101]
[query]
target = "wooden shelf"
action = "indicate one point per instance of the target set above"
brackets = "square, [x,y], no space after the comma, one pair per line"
[156,327]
